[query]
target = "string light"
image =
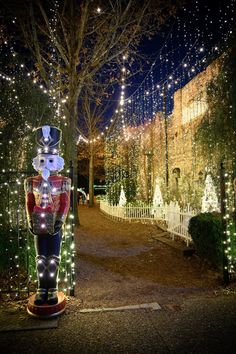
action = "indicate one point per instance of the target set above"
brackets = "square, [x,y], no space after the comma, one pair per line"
[141,107]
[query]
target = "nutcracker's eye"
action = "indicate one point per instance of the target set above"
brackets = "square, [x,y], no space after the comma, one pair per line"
[51,160]
[41,160]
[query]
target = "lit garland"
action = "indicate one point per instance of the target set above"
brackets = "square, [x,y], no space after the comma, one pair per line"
[142,106]
[18,242]
[139,109]
[230,231]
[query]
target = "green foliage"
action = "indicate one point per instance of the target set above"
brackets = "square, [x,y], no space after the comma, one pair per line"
[232,230]
[113,193]
[216,134]
[24,106]
[129,188]
[121,169]
[187,192]
[18,121]
[206,231]
[4,258]
[16,249]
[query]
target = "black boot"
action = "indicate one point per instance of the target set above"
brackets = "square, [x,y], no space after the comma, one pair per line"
[52,267]
[52,296]
[41,293]
[40,296]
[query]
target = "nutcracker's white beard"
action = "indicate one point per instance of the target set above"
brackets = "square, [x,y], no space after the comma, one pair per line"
[46,166]
[45,174]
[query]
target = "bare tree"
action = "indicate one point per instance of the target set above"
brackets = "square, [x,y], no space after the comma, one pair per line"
[93,111]
[73,41]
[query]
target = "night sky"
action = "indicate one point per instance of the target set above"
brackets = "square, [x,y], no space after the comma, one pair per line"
[184,46]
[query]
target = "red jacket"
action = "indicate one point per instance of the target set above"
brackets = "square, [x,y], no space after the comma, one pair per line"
[48,197]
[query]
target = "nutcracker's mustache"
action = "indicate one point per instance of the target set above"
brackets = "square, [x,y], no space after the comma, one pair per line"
[45,174]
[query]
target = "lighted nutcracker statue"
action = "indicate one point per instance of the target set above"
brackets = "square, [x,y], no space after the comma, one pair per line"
[47,205]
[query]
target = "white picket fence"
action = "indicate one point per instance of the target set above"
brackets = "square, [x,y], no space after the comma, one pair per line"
[176,219]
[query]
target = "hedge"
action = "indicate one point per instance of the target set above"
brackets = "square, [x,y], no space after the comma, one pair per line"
[206,232]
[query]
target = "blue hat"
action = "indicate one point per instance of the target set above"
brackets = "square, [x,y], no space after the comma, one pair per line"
[48,139]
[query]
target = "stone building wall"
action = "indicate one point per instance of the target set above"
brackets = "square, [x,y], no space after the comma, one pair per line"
[186,164]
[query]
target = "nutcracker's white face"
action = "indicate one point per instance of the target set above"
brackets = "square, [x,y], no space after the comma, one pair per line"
[46,163]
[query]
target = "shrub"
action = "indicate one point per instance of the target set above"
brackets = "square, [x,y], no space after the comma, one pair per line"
[206,232]
[10,247]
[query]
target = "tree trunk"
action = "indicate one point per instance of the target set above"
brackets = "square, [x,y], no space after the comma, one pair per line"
[72,154]
[75,185]
[91,176]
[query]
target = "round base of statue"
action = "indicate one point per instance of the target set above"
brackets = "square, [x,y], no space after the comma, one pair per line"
[46,310]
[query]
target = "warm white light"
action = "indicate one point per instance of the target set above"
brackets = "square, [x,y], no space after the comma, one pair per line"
[42,215]
[52,274]
[99,10]
[43,226]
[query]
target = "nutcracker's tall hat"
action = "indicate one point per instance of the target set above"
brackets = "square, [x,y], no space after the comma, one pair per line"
[48,140]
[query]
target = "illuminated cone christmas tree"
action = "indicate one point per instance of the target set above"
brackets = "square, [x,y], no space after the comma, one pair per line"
[157,197]
[209,201]
[122,200]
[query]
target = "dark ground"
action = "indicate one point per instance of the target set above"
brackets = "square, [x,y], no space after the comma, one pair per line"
[124,264]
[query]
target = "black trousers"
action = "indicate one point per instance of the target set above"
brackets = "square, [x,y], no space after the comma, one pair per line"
[48,246]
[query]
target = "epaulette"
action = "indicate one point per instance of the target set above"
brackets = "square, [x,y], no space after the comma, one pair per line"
[66,185]
[28,184]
